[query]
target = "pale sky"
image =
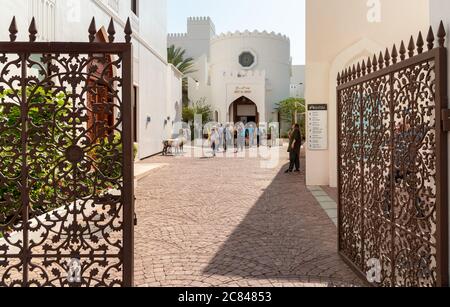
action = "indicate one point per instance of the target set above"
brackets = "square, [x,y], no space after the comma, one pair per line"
[284,16]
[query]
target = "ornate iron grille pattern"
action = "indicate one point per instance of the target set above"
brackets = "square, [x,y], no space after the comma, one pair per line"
[392,165]
[66,188]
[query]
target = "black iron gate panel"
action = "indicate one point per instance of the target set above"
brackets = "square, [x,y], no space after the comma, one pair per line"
[392,161]
[66,172]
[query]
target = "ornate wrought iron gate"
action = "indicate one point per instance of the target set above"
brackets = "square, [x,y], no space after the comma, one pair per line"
[393,165]
[66,154]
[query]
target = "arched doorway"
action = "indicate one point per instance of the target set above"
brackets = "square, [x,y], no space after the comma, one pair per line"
[244,110]
[100,101]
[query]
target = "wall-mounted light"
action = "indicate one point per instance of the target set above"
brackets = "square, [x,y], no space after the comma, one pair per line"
[197,83]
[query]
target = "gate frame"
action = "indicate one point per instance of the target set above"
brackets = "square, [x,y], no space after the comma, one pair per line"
[354,76]
[125,49]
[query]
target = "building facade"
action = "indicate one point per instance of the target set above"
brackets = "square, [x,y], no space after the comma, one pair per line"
[242,75]
[298,81]
[340,34]
[157,84]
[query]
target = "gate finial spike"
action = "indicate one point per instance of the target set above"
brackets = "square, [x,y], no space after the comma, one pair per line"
[128,31]
[420,43]
[374,62]
[380,60]
[354,72]
[111,31]
[441,34]
[339,78]
[363,68]
[13,30]
[402,51]
[411,47]
[387,58]
[92,30]
[369,65]
[358,70]
[394,54]
[430,38]
[32,30]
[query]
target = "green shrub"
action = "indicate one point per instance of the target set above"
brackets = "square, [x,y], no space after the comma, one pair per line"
[50,174]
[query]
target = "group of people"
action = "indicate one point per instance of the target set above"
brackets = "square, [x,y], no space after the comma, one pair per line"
[230,136]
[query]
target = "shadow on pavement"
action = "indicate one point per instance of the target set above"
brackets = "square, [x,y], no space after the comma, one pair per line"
[285,236]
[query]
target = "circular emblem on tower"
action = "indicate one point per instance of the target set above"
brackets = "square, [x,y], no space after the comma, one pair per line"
[247,59]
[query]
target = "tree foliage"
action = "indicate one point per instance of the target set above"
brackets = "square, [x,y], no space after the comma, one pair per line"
[290,109]
[198,108]
[176,57]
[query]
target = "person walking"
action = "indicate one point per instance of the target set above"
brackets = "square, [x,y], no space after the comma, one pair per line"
[295,145]
[251,136]
[227,137]
[241,138]
[220,131]
[214,141]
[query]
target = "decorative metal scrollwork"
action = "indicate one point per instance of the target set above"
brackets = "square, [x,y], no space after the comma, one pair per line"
[389,156]
[65,154]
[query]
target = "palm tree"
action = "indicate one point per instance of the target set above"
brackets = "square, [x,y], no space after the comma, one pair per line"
[176,57]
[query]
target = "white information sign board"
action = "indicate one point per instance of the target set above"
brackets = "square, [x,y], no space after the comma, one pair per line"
[318,127]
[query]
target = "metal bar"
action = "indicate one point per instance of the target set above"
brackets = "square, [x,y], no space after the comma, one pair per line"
[24,169]
[446,120]
[339,152]
[441,170]
[362,165]
[128,172]
[115,48]
[391,222]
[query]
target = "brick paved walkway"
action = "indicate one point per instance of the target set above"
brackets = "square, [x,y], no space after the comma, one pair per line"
[228,222]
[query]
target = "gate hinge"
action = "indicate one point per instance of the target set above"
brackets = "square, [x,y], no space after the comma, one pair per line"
[446,120]
[135,220]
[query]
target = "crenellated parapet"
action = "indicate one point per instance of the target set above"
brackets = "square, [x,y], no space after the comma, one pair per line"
[199,19]
[247,33]
[176,35]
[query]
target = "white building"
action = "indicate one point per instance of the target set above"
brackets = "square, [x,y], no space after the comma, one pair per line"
[157,83]
[242,75]
[298,81]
